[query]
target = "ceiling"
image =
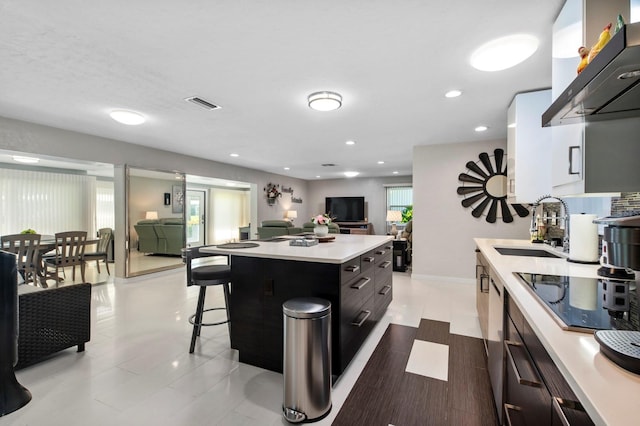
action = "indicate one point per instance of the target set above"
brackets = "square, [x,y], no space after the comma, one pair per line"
[68,63]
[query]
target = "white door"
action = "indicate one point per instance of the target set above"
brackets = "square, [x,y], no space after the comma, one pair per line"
[196,218]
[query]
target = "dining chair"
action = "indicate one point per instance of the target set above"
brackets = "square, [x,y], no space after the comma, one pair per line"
[25,247]
[105,235]
[69,252]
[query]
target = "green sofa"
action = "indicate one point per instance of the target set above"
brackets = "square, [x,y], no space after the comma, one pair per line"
[277,228]
[161,236]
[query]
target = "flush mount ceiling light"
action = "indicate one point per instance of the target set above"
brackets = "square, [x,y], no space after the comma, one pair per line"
[380,162]
[481,128]
[504,52]
[453,94]
[130,118]
[324,101]
[26,160]
[351,174]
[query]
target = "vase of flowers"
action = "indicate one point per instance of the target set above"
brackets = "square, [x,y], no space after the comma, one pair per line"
[321,223]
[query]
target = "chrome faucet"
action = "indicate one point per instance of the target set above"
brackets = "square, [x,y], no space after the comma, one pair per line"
[565,218]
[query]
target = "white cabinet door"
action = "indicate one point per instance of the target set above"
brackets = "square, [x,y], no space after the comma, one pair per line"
[567,159]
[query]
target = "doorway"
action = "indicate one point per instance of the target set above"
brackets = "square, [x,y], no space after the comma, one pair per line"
[196,218]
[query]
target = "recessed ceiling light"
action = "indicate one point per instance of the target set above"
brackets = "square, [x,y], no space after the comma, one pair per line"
[395,172]
[380,162]
[130,118]
[453,93]
[287,168]
[350,142]
[318,176]
[234,155]
[351,174]
[26,160]
[324,101]
[481,128]
[504,52]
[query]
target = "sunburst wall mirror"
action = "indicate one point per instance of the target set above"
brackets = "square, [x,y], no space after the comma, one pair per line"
[484,185]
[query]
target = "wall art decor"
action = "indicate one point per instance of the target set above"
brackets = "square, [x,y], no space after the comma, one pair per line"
[296,200]
[288,190]
[178,199]
[272,192]
[484,185]
[167,198]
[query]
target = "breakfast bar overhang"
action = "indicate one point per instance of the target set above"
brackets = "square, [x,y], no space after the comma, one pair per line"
[353,272]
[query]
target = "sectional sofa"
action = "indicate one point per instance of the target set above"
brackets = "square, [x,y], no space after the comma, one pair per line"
[161,236]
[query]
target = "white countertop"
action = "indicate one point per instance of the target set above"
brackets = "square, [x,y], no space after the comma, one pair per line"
[343,248]
[609,393]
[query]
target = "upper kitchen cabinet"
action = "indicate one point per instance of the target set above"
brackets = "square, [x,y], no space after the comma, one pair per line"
[589,157]
[528,145]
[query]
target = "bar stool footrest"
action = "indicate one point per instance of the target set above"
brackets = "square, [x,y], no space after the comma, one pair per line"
[192,318]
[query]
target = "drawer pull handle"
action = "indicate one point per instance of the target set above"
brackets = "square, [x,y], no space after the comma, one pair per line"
[385,290]
[361,283]
[385,264]
[381,252]
[389,247]
[360,319]
[484,278]
[369,259]
[558,403]
[507,409]
[352,268]
[535,382]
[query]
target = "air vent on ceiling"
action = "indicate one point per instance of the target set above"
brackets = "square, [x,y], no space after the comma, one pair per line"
[202,103]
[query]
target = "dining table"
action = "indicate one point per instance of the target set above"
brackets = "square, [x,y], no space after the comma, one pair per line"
[48,244]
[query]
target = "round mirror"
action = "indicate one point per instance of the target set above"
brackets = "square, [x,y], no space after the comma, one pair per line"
[496,186]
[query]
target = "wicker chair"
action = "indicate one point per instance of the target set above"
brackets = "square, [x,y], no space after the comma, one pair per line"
[51,320]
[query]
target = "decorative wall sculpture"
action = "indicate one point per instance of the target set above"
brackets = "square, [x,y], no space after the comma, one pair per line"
[484,185]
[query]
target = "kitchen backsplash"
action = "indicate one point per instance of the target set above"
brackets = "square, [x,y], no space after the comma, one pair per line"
[628,202]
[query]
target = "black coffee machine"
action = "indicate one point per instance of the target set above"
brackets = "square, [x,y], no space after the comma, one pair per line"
[12,394]
[621,261]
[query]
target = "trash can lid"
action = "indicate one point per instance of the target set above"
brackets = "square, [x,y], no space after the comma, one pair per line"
[306,307]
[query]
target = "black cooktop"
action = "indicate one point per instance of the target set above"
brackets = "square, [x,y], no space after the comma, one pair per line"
[587,304]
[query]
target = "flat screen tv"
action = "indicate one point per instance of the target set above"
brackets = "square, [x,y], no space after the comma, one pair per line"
[345,209]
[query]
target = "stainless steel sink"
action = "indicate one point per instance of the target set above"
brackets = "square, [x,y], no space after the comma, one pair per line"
[511,251]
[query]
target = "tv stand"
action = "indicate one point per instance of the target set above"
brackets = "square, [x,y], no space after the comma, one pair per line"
[361,228]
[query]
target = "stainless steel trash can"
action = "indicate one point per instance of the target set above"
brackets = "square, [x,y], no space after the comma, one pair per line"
[307,359]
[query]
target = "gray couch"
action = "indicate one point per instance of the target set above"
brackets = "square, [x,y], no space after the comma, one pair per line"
[333,227]
[277,228]
[161,236]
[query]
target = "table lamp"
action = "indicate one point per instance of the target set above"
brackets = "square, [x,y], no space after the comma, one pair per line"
[151,215]
[394,216]
[292,214]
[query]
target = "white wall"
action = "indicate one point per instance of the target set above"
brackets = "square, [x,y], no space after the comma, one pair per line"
[443,230]
[373,190]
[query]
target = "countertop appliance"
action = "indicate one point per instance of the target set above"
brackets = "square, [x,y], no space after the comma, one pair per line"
[607,89]
[621,252]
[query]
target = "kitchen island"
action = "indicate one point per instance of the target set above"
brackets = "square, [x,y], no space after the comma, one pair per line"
[608,393]
[353,272]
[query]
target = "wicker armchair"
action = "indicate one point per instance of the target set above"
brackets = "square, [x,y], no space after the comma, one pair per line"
[51,320]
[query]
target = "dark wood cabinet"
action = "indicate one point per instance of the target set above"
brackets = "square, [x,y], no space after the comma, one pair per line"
[536,393]
[359,290]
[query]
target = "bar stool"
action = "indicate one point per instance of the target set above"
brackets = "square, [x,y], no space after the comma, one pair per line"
[205,276]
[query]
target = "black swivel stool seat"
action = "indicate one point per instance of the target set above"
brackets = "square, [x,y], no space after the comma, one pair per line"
[205,276]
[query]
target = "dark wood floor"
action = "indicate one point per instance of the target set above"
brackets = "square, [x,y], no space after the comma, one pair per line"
[385,394]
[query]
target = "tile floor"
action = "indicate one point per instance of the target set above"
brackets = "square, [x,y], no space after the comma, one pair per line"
[136,369]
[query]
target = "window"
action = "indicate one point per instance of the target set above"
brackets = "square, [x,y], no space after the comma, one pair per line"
[399,197]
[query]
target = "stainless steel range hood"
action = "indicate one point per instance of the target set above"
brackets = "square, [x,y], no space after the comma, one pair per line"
[608,88]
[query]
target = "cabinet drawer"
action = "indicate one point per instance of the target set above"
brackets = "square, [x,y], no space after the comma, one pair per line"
[514,313]
[367,260]
[526,396]
[382,297]
[355,326]
[350,269]
[356,292]
[384,253]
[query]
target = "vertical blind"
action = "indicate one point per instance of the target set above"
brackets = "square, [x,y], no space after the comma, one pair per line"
[399,197]
[229,211]
[105,213]
[46,202]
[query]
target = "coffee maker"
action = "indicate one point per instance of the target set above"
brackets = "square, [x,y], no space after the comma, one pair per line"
[620,262]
